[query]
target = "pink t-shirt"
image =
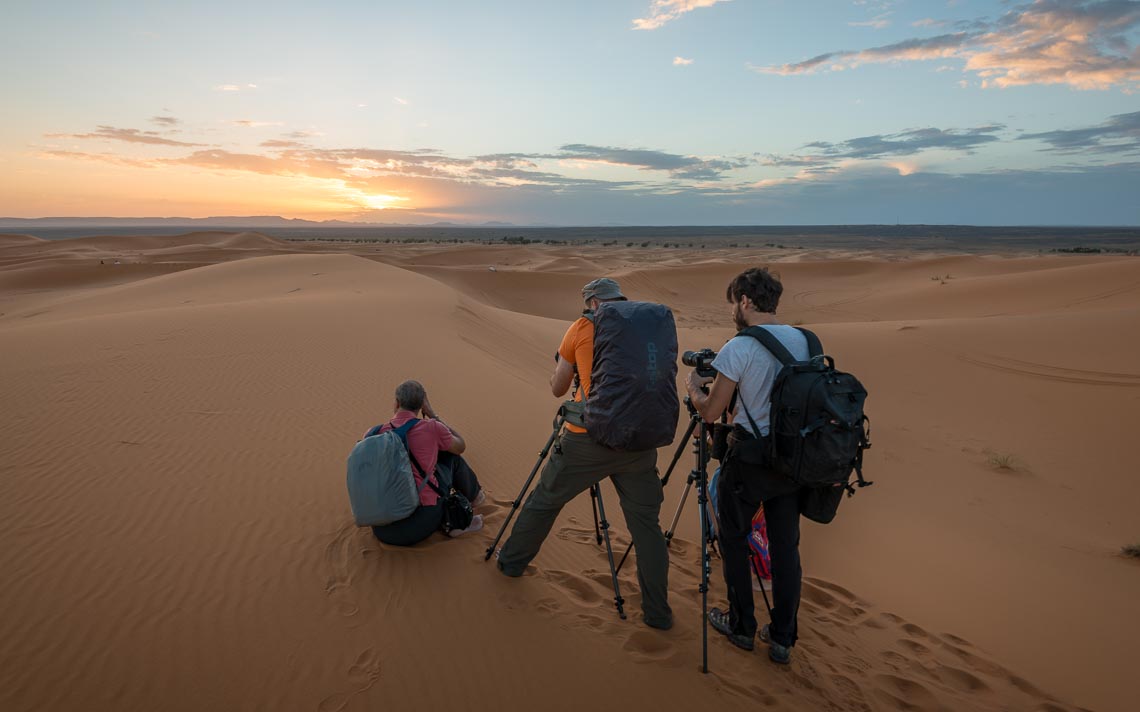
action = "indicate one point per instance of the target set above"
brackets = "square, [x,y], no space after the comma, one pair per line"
[425,440]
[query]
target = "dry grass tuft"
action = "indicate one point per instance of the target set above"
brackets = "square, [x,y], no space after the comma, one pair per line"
[1002,461]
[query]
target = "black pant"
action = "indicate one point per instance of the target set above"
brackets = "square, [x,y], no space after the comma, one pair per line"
[782,514]
[452,471]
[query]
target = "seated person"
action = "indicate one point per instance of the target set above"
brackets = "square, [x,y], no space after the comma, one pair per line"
[437,448]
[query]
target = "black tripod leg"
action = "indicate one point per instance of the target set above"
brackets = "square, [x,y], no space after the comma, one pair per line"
[762,591]
[680,450]
[526,485]
[705,573]
[596,493]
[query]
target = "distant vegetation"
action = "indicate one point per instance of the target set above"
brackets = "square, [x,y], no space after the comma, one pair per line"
[1131,551]
[1093,251]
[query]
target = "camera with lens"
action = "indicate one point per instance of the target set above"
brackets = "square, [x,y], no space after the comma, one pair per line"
[700,360]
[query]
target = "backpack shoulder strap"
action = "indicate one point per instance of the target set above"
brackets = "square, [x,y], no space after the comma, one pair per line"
[770,342]
[402,433]
[815,348]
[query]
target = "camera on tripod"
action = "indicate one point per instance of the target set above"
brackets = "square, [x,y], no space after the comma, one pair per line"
[700,360]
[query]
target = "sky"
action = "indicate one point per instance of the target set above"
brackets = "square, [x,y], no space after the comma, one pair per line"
[634,112]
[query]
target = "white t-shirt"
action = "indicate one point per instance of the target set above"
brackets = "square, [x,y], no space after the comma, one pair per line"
[746,361]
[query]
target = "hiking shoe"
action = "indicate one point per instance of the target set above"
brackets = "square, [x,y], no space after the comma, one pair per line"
[781,654]
[719,621]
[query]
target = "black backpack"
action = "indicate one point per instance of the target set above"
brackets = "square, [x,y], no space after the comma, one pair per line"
[818,431]
[632,404]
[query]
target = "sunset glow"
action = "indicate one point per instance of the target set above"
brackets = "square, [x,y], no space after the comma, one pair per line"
[689,112]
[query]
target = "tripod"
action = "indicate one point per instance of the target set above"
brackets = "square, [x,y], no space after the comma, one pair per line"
[601,524]
[699,477]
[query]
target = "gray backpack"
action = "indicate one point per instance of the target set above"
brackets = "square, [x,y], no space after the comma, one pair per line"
[381,488]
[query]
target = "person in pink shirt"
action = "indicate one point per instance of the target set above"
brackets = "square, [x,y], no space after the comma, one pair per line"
[437,448]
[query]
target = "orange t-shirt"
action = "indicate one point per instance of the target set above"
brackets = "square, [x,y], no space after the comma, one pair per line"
[578,348]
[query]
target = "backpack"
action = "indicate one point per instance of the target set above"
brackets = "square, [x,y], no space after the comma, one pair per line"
[381,488]
[632,404]
[818,430]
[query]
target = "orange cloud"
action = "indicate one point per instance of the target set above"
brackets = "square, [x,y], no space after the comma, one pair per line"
[665,11]
[110,133]
[1081,44]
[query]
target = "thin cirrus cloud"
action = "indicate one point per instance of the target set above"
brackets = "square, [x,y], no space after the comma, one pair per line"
[823,155]
[1084,44]
[111,133]
[1119,134]
[251,124]
[681,62]
[662,12]
[234,87]
[168,121]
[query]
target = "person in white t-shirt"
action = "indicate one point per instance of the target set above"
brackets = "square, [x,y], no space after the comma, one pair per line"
[744,365]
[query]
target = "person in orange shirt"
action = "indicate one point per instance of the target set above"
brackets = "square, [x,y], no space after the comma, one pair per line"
[577,463]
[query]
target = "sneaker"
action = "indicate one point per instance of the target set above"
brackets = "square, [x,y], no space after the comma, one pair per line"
[781,654]
[719,621]
[475,525]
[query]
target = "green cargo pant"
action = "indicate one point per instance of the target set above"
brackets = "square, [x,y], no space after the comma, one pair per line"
[576,464]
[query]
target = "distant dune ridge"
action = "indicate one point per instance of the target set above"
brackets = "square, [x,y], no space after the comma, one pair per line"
[175,532]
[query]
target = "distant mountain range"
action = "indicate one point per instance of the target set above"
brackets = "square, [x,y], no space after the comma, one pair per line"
[247,221]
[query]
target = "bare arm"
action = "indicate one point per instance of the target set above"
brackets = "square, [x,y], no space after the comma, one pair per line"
[458,444]
[710,405]
[562,377]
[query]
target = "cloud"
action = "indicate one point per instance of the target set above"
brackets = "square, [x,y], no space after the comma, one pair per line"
[824,154]
[110,133]
[927,22]
[665,11]
[876,23]
[279,143]
[234,87]
[398,100]
[165,120]
[1119,134]
[251,124]
[1084,44]
[677,166]
[681,62]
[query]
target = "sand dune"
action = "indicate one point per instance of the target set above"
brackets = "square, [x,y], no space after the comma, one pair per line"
[176,533]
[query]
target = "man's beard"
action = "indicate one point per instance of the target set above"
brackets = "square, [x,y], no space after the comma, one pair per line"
[738,317]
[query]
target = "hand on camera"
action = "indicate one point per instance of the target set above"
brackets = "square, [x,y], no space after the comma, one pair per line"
[696,382]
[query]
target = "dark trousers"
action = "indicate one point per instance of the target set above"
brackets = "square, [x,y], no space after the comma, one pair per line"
[574,466]
[782,513]
[452,471]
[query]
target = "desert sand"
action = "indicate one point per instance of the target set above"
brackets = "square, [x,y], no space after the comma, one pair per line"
[175,532]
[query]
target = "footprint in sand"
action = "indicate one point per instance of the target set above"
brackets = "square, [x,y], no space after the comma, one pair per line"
[362,675]
[578,535]
[338,555]
[647,646]
[580,589]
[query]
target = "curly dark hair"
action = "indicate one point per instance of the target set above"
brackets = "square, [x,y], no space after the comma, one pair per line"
[761,287]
